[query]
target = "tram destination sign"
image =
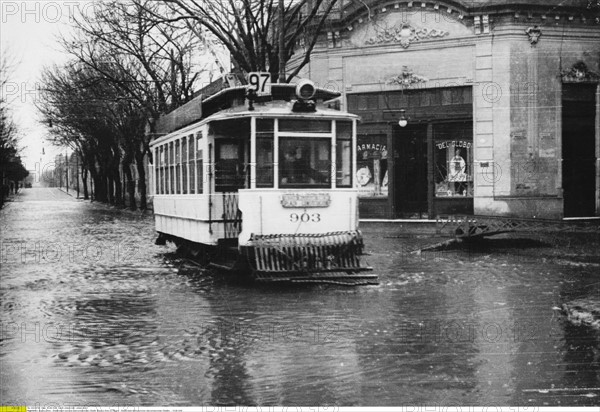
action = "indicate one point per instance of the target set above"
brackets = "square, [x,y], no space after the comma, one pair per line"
[260,82]
[305,200]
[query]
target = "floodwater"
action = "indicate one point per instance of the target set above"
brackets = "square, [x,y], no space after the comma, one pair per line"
[93,313]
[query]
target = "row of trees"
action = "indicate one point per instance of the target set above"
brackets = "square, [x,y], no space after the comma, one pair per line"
[134,60]
[12,170]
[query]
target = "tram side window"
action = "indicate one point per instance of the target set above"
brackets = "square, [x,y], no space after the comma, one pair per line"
[264,153]
[156,171]
[199,163]
[163,174]
[159,161]
[343,154]
[177,167]
[159,166]
[191,163]
[163,169]
[184,166]
[304,162]
[171,169]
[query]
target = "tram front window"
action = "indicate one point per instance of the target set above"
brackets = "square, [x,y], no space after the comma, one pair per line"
[304,162]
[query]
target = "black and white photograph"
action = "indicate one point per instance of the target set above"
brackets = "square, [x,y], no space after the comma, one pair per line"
[299,205]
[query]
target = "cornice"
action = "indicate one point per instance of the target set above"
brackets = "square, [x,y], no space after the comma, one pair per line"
[359,12]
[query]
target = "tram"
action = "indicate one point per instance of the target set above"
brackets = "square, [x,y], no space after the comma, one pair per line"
[262,184]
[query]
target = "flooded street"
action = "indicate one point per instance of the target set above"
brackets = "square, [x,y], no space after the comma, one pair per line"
[93,313]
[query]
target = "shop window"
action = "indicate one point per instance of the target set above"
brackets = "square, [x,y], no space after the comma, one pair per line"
[352,103]
[362,102]
[453,152]
[372,102]
[372,165]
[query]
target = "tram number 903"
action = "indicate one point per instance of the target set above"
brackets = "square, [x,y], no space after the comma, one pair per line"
[305,217]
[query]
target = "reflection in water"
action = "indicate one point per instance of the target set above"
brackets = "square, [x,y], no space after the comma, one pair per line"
[227,366]
[582,357]
[136,325]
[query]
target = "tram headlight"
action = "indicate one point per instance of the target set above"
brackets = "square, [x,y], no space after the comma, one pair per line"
[305,90]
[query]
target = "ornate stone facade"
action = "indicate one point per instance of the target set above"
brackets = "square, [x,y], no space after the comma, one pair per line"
[530,72]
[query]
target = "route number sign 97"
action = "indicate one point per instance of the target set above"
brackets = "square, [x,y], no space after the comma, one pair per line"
[260,82]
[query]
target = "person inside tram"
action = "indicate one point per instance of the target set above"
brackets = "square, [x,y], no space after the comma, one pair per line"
[296,168]
[305,171]
[288,170]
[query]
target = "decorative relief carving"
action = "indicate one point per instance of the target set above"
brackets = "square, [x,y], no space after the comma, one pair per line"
[534,34]
[579,73]
[405,34]
[406,78]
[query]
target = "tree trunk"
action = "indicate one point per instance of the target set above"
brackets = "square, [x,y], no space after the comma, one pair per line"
[110,189]
[139,163]
[99,187]
[84,176]
[130,184]
[118,187]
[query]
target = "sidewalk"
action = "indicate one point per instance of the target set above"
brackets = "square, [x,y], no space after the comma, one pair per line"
[447,226]
[72,193]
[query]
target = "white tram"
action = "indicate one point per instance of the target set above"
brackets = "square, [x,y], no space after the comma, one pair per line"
[263,186]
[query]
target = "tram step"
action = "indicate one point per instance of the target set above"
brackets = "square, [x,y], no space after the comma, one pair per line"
[315,277]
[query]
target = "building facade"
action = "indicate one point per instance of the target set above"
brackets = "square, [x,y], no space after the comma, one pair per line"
[501,102]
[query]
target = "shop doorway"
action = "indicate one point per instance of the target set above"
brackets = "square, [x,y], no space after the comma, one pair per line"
[579,149]
[410,171]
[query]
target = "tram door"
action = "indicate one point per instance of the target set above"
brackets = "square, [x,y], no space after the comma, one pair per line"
[231,174]
[579,149]
[230,165]
[410,171]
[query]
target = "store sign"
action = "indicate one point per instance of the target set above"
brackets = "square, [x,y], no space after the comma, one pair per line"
[367,150]
[305,200]
[454,143]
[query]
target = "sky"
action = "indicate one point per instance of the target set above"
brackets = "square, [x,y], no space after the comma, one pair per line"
[28,39]
[29,33]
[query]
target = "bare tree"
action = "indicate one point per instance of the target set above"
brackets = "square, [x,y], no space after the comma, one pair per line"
[260,35]
[11,166]
[88,115]
[149,62]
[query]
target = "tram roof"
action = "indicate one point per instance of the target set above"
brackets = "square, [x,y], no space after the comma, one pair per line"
[233,98]
[277,109]
[274,109]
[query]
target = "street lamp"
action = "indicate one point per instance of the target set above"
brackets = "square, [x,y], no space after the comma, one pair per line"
[403,120]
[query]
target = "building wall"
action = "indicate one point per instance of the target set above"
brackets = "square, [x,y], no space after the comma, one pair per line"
[515,80]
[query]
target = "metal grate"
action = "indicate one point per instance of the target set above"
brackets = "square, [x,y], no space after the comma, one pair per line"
[232,216]
[323,258]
